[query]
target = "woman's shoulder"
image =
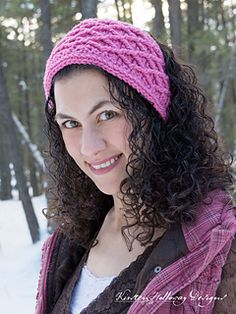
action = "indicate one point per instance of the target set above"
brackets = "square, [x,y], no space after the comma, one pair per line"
[215,215]
[213,207]
[217,198]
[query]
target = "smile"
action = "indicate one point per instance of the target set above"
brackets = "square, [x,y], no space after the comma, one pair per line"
[106,166]
[107,163]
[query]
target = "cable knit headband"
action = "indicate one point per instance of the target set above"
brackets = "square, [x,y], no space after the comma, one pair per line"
[119,48]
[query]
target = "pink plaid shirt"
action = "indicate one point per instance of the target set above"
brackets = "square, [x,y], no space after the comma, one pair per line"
[196,276]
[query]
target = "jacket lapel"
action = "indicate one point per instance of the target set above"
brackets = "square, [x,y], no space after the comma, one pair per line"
[170,248]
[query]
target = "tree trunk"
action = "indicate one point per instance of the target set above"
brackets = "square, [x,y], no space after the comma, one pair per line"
[33,176]
[175,24]
[159,30]
[88,8]
[46,34]
[5,190]
[5,173]
[193,25]
[47,47]
[30,161]
[26,139]
[14,149]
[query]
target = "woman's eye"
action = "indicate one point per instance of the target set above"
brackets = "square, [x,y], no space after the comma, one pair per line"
[70,124]
[107,115]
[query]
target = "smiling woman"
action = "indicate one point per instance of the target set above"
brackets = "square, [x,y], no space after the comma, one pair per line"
[141,187]
[93,127]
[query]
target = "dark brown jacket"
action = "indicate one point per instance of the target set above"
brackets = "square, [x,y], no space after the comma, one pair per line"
[58,305]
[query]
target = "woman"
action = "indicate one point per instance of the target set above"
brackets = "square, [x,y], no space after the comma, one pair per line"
[145,222]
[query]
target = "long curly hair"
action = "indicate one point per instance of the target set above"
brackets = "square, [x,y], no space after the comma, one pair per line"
[174,163]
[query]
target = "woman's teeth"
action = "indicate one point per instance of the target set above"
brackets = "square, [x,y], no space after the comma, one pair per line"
[106,164]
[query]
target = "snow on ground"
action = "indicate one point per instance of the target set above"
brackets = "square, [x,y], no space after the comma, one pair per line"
[19,258]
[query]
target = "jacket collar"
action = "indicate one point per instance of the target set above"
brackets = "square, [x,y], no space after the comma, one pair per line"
[170,248]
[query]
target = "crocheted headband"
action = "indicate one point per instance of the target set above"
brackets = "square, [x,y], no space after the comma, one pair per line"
[119,48]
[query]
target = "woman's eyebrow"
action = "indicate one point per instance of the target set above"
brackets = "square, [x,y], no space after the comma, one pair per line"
[99,105]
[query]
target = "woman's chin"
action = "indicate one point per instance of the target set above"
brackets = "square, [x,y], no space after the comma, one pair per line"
[108,191]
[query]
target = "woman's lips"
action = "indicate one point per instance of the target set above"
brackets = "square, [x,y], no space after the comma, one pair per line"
[106,169]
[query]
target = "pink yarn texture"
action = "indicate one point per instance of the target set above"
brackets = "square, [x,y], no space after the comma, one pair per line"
[119,48]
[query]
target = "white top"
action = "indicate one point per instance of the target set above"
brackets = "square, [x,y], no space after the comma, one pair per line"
[87,288]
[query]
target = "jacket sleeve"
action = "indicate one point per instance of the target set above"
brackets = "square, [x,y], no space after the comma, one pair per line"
[228,285]
[46,249]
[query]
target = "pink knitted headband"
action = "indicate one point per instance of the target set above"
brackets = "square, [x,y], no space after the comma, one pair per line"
[119,48]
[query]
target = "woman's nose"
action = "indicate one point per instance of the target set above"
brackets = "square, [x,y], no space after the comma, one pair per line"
[92,142]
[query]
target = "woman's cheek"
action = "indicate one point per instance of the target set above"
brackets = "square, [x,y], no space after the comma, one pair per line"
[72,146]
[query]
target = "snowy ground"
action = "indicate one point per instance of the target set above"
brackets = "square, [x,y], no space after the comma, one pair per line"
[19,258]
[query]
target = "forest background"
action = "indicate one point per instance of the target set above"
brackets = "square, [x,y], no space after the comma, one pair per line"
[201,32]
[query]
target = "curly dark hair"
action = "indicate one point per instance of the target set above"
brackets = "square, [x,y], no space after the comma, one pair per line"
[174,163]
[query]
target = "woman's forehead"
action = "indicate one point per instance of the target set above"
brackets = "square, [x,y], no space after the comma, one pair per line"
[83,93]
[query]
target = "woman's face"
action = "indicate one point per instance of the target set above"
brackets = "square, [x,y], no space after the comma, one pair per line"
[94,128]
